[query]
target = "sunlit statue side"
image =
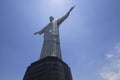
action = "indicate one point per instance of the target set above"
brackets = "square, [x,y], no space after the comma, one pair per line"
[51,45]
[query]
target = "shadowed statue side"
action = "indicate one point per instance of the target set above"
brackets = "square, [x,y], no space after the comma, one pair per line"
[51,45]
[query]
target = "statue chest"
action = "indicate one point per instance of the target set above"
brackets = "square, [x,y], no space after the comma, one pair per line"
[51,30]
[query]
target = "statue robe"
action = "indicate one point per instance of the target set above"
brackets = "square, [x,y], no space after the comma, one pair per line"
[51,45]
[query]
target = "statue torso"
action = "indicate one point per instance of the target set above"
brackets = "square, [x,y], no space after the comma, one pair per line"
[51,30]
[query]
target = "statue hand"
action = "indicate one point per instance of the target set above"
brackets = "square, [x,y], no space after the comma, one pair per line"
[72,8]
[35,33]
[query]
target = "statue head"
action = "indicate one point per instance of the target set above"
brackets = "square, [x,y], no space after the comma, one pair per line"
[51,18]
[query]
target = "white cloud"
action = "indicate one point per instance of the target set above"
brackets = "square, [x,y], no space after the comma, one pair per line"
[109,55]
[112,71]
[110,76]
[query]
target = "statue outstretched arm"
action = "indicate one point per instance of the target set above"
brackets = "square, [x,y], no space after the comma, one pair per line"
[60,20]
[39,32]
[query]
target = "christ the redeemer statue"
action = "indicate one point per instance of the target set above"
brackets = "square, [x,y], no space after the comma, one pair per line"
[51,45]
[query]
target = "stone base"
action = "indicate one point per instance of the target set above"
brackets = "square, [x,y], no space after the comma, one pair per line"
[49,68]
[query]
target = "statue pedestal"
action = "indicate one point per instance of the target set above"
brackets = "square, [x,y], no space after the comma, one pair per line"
[49,68]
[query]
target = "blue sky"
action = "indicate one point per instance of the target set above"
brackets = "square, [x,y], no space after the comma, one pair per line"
[90,37]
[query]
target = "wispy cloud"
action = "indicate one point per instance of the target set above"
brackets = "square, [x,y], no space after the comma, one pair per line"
[112,70]
[109,56]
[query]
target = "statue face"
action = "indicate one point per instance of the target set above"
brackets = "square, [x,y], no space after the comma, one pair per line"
[51,18]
